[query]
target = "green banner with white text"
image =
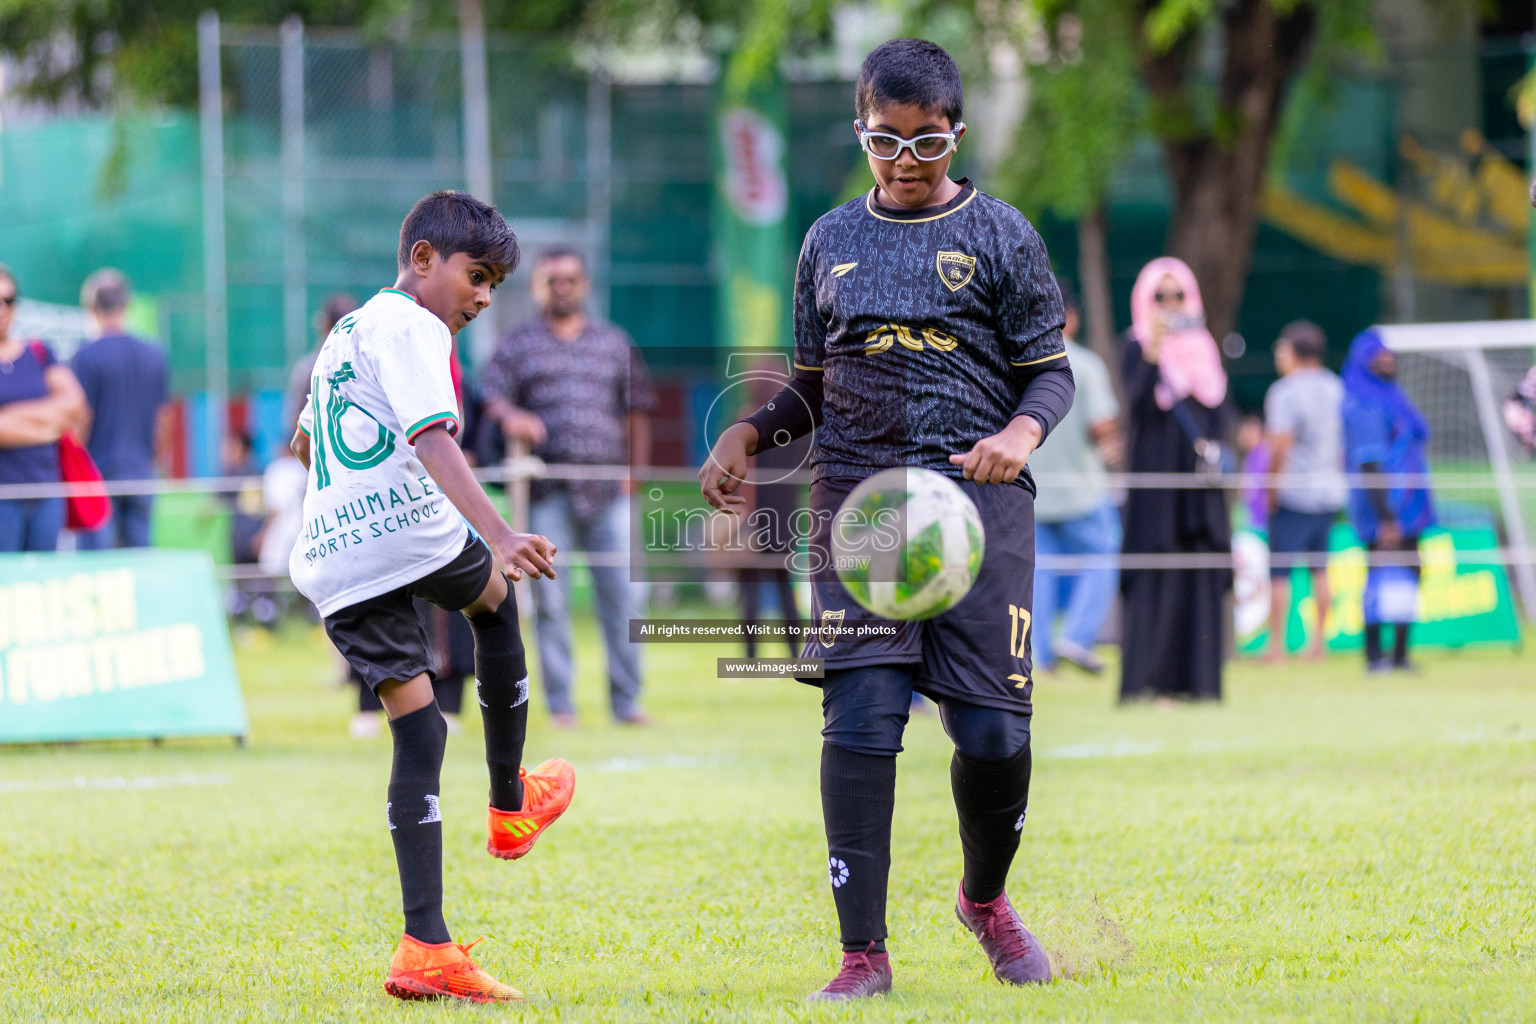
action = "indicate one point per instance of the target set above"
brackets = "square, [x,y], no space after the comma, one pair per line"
[1463,593]
[751,219]
[115,644]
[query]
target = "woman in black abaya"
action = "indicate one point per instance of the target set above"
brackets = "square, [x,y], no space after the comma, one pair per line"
[1175,393]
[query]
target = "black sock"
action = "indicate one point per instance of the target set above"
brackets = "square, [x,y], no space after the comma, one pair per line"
[991,798]
[415,824]
[858,796]
[1400,645]
[1372,642]
[501,683]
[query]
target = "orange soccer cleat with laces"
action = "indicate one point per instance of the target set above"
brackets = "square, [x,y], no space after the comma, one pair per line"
[421,970]
[547,792]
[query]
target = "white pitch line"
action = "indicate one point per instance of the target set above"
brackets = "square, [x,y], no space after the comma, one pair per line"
[115,782]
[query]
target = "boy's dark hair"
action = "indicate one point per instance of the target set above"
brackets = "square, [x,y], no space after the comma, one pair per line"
[1306,339]
[909,71]
[455,222]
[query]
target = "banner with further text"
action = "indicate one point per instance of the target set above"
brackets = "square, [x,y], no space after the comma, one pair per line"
[1463,599]
[751,218]
[111,645]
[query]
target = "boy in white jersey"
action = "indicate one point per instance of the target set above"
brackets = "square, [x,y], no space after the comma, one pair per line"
[385,516]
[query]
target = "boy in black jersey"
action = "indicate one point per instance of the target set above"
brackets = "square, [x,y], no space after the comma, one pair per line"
[927,333]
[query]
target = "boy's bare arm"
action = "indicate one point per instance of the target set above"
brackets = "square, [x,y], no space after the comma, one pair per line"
[516,553]
[300,447]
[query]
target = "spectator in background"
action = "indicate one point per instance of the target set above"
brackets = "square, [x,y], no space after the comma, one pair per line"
[574,389]
[282,493]
[1171,624]
[39,400]
[1520,411]
[247,515]
[1303,419]
[327,316]
[1385,433]
[127,386]
[1075,512]
[1253,451]
[247,522]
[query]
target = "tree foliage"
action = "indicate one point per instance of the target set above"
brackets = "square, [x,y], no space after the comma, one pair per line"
[114,52]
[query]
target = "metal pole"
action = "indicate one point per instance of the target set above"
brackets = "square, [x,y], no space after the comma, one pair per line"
[477,111]
[295,301]
[1503,479]
[599,176]
[215,296]
[477,136]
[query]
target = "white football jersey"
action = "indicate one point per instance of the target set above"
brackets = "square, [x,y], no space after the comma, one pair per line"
[373,519]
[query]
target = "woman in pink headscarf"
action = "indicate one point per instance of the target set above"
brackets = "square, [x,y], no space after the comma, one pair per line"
[1175,392]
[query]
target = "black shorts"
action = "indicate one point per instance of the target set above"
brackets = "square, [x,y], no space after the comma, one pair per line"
[978,652]
[384,638]
[1294,533]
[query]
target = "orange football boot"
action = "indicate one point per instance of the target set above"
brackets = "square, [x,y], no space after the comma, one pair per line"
[421,970]
[547,792]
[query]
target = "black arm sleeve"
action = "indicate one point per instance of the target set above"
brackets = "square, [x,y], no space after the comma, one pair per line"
[1047,397]
[794,412]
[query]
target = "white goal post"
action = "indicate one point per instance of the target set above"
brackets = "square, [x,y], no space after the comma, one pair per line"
[1465,346]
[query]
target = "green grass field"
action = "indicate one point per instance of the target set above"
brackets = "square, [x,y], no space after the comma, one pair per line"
[1323,846]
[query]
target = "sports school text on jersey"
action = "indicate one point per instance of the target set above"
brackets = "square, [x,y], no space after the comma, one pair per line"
[382,513]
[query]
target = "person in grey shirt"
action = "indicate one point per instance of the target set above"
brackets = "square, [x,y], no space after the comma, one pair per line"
[573,388]
[1303,421]
[1075,512]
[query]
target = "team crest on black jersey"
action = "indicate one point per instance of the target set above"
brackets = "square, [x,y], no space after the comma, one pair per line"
[955,269]
[830,623]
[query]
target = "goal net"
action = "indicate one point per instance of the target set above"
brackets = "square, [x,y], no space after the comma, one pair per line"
[1461,375]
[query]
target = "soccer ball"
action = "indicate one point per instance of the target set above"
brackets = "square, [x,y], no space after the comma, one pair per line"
[907,543]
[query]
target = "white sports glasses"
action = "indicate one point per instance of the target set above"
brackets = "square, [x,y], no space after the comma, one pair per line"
[885,146]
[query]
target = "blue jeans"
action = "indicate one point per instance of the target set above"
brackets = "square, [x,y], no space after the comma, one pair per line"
[1083,597]
[128,526]
[31,524]
[618,601]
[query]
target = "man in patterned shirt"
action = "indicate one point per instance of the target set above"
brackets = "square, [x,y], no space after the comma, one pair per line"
[574,389]
[927,333]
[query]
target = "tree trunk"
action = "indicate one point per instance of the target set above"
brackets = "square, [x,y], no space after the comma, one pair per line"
[1093,273]
[1218,172]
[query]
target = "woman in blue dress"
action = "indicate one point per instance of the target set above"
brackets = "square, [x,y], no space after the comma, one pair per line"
[39,400]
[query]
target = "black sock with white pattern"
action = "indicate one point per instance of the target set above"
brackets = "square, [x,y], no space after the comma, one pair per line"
[415,823]
[991,798]
[858,797]
[501,683]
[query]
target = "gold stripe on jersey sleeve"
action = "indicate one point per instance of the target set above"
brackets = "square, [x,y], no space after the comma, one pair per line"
[814,369]
[1032,362]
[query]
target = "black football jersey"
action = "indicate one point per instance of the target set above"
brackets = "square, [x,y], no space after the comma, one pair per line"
[925,326]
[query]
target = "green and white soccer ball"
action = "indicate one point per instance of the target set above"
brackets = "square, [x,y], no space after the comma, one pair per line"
[907,543]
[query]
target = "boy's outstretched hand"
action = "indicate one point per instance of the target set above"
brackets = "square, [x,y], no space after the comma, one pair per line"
[516,553]
[726,468]
[1000,459]
[519,553]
